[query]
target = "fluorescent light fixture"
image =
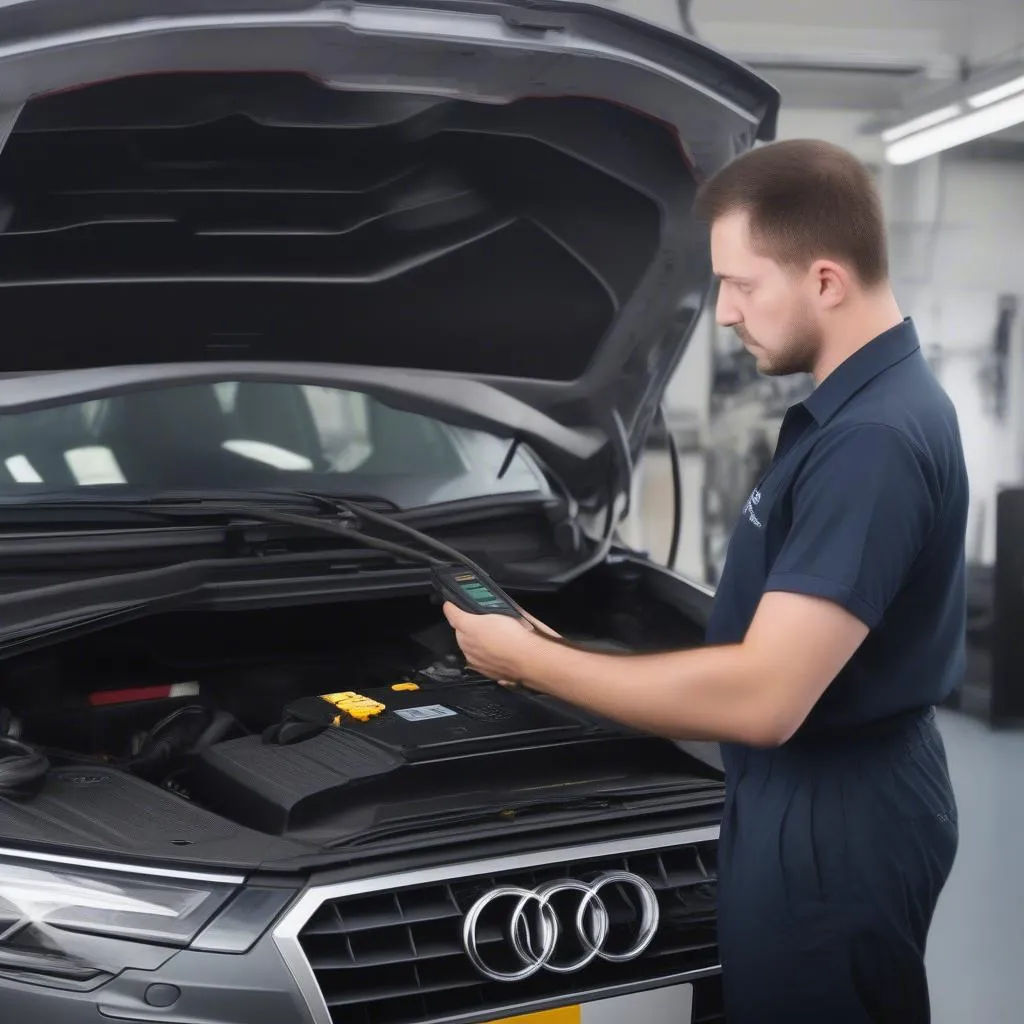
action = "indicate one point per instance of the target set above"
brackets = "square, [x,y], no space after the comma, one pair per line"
[997,92]
[935,117]
[993,118]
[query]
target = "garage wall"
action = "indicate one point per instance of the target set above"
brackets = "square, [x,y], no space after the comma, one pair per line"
[974,270]
[983,225]
[843,127]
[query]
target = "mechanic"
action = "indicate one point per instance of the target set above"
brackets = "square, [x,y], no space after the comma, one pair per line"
[838,623]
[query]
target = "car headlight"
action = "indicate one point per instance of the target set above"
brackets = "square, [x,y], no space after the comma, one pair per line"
[67,925]
[73,924]
[121,905]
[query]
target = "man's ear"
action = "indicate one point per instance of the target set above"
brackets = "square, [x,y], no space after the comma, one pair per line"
[831,282]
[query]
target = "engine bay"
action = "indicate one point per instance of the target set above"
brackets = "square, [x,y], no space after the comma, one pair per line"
[331,721]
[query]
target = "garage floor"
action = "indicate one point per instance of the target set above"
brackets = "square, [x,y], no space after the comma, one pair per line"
[976,952]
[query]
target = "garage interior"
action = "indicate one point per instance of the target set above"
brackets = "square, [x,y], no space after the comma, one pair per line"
[930,95]
[855,74]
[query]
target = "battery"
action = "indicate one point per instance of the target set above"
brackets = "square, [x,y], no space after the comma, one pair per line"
[443,720]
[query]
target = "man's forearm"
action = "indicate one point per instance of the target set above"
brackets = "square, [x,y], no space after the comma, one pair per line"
[709,693]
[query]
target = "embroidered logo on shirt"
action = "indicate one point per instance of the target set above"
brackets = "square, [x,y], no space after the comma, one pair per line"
[748,509]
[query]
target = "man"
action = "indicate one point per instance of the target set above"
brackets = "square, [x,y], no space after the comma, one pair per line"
[838,623]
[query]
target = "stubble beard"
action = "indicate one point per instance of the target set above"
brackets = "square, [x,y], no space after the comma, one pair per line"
[797,356]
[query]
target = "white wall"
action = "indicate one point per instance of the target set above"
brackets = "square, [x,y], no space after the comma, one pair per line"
[689,389]
[975,258]
[983,226]
[660,12]
[843,127]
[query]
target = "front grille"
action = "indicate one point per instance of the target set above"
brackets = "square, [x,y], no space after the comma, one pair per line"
[397,956]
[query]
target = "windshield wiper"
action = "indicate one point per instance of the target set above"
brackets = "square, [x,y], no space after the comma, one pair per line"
[338,518]
[35,612]
[173,502]
[342,518]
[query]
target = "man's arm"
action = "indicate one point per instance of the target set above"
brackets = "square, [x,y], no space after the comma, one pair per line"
[757,692]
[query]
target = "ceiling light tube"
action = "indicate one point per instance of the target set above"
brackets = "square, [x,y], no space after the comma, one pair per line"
[934,117]
[994,118]
[997,92]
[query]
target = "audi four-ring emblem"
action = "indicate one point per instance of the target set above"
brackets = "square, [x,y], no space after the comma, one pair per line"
[534,926]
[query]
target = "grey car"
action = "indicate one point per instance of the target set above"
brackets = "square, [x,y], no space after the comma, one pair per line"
[303,302]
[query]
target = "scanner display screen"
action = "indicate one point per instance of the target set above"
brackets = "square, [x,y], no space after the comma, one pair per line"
[478,593]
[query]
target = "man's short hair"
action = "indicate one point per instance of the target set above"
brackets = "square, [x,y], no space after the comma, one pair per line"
[806,200]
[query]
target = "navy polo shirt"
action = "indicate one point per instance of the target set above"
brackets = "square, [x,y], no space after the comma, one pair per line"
[864,504]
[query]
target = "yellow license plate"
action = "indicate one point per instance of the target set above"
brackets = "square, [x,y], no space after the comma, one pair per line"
[563,1015]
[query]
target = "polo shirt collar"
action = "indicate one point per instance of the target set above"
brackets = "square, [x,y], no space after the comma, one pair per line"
[877,356]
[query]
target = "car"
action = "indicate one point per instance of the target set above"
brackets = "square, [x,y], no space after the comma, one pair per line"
[311,311]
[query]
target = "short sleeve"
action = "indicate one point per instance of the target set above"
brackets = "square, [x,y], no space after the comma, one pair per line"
[861,511]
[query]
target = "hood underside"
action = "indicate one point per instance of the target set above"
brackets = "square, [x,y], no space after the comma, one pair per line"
[463,191]
[422,234]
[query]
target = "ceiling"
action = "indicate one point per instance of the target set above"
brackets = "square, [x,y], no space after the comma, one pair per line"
[874,56]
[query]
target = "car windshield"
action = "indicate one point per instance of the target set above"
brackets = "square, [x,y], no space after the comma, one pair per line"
[255,435]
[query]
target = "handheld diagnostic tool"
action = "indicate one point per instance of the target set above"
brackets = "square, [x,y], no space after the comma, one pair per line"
[472,592]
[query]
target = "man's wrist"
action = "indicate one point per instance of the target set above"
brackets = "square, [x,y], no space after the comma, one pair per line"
[531,658]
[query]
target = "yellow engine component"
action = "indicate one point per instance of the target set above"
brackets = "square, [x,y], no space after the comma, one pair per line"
[353,704]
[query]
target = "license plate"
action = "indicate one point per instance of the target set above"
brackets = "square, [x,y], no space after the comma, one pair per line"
[671,1005]
[563,1015]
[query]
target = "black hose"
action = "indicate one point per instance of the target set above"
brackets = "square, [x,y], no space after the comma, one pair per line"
[386,522]
[339,529]
[677,493]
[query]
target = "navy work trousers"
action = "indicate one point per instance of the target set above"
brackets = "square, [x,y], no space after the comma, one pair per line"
[833,853]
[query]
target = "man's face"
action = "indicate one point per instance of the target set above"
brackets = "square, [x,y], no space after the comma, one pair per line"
[771,307]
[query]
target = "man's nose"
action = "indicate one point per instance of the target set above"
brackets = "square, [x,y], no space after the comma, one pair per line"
[725,311]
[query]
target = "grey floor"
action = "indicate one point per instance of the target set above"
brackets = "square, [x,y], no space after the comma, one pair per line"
[976,947]
[976,950]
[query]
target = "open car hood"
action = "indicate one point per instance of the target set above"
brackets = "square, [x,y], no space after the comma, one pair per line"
[473,208]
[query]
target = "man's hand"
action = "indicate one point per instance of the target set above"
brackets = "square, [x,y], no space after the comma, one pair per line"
[494,645]
[540,626]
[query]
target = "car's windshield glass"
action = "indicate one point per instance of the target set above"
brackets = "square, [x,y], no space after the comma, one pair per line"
[254,435]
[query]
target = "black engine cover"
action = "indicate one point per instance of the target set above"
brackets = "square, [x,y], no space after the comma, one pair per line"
[418,739]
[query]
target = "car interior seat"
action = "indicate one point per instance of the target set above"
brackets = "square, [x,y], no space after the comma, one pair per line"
[280,415]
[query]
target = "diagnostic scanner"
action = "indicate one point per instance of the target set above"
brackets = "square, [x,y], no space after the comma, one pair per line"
[472,592]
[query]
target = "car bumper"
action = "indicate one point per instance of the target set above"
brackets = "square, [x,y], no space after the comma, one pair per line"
[200,988]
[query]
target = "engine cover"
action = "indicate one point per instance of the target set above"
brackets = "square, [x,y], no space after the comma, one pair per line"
[416,737]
